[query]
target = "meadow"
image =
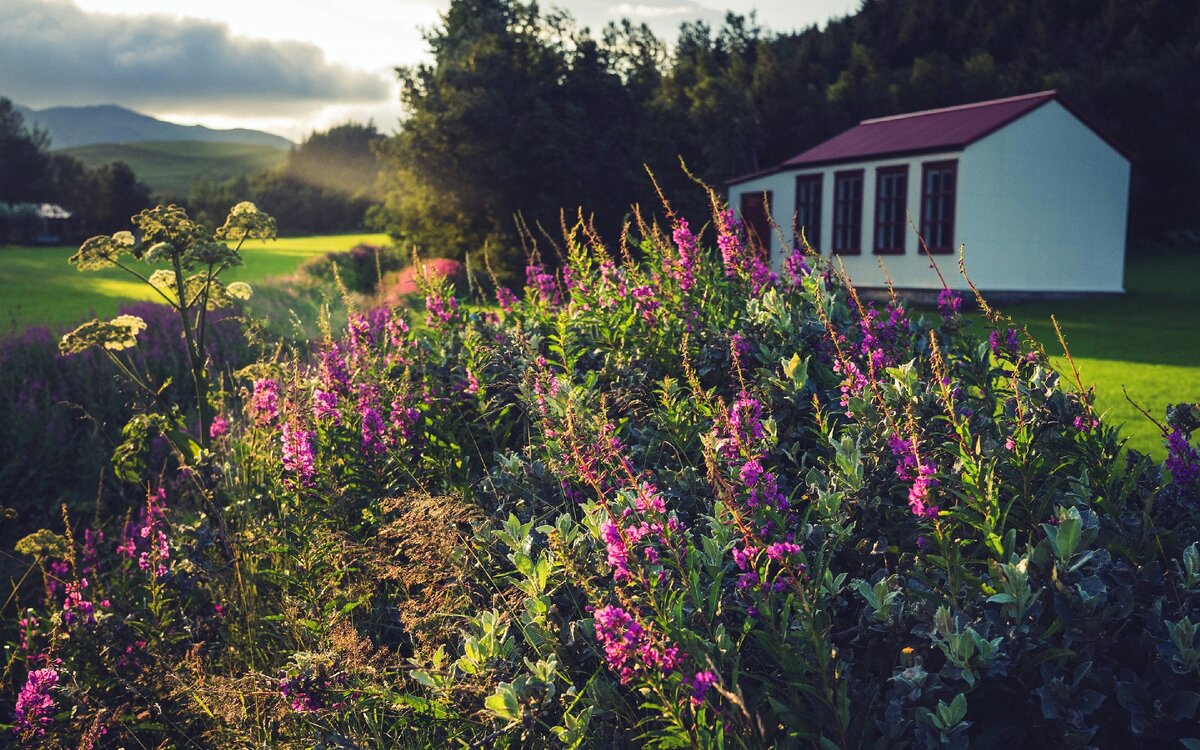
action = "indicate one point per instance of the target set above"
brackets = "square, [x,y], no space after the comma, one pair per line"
[39,287]
[171,167]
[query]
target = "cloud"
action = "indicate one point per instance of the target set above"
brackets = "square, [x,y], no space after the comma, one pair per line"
[52,52]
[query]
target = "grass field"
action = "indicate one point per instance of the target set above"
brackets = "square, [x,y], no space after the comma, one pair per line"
[37,285]
[170,167]
[1147,340]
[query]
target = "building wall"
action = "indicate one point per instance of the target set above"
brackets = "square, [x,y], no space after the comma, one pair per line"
[1044,207]
[1041,206]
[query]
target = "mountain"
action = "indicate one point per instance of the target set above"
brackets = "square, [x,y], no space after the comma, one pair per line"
[171,167]
[108,123]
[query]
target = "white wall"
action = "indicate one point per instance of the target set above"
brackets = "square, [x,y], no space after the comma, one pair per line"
[1041,205]
[1044,206]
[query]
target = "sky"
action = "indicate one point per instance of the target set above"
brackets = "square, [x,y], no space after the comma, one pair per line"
[284,66]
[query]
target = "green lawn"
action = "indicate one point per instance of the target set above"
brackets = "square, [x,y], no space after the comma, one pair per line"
[38,286]
[1147,340]
[170,167]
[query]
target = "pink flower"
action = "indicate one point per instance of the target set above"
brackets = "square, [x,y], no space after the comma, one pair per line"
[219,427]
[34,704]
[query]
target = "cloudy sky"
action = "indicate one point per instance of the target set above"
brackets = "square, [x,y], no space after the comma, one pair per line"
[286,66]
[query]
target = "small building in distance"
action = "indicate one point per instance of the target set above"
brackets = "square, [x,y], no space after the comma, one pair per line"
[59,223]
[1036,195]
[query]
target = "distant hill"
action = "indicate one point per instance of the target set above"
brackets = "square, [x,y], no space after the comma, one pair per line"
[108,123]
[170,167]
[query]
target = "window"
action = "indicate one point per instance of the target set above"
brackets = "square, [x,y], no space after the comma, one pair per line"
[847,212]
[891,199]
[938,184]
[808,209]
[756,214]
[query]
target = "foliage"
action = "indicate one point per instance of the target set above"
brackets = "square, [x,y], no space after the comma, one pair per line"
[683,502]
[325,185]
[102,199]
[521,112]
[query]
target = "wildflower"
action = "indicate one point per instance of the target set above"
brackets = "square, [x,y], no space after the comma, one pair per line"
[684,270]
[372,430]
[949,304]
[701,682]
[298,455]
[325,406]
[505,298]
[545,284]
[404,419]
[618,553]
[439,310]
[780,551]
[34,704]
[472,383]
[1183,461]
[219,427]
[646,302]
[628,648]
[796,268]
[1085,424]
[1009,344]
[334,375]
[264,402]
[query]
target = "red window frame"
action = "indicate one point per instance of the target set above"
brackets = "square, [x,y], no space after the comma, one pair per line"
[756,216]
[938,206]
[889,210]
[809,189]
[847,214]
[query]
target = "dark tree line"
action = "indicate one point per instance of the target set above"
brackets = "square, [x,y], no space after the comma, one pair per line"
[327,184]
[521,112]
[101,199]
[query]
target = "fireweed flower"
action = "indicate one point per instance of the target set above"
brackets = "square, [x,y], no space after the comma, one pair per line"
[701,682]
[335,376]
[1006,344]
[505,298]
[34,704]
[439,310]
[629,649]
[949,304]
[1183,460]
[646,301]
[264,402]
[373,433]
[145,540]
[298,454]
[684,269]
[920,473]
[544,283]
[796,268]
[219,427]
[325,406]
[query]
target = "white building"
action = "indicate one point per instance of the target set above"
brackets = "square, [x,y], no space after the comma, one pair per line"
[1037,197]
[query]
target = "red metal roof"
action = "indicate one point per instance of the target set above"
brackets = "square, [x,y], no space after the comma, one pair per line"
[931,130]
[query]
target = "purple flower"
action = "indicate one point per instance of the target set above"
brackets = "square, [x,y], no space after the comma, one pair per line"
[1183,461]
[219,427]
[796,268]
[949,304]
[628,648]
[1009,344]
[750,473]
[684,270]
[505,298]
[264,402]
[439,310]
[34,704]
[325,406]
[298,454]
[701,682]
[334,375]
[646,301]
[618,553]
[544,283]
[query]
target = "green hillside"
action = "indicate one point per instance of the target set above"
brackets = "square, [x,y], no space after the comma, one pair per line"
[170,167]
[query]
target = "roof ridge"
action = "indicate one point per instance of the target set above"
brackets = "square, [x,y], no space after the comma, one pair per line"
[1048,93]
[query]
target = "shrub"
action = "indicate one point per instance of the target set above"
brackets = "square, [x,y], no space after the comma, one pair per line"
[683,502]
